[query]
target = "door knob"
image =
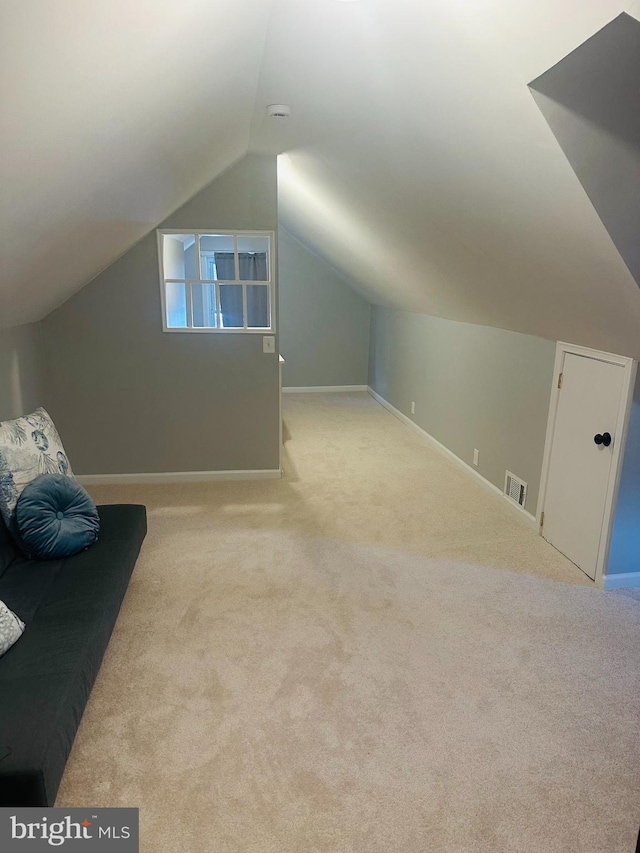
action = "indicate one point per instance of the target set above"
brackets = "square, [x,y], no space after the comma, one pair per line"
[604,439]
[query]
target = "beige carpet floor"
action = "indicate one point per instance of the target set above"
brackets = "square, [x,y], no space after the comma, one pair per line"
[373,655]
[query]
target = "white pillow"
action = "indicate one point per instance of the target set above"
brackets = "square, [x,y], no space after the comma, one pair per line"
[11,628]
[29,446]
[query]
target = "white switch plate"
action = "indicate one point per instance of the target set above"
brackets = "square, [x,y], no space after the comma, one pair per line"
[476,456]
[268,343]
[413,407]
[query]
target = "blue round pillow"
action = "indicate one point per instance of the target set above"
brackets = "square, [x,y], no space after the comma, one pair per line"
[56,517]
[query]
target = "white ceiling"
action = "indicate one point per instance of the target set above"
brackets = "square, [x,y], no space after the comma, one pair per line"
[112,115]
[418,162]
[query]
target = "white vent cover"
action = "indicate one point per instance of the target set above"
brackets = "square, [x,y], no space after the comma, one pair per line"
[279,110]
[515,489]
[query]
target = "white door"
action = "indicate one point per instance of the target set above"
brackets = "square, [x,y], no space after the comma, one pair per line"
[584,439]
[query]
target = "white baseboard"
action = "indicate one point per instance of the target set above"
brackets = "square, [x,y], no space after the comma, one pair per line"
[622,580]
[177,477]
[523,514]
[314,389]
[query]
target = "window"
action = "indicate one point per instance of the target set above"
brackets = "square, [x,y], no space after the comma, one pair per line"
[216,281]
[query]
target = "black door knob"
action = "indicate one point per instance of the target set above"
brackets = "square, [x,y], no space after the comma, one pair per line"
[604,439]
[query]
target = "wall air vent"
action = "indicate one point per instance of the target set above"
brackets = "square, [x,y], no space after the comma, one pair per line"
[279,110]
[515,489]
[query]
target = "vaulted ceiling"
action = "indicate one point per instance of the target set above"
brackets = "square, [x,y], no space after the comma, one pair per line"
[417,161]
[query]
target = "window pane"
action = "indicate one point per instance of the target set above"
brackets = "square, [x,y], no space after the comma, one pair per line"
[179,255]
[203,297]
[232,315]
[258,306]
[253,258]
[217,260]
[176,299]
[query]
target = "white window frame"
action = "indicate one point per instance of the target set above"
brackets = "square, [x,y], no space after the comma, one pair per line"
[217,330]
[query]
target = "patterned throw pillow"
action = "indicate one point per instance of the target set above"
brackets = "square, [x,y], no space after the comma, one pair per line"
[11,628]
[29,446]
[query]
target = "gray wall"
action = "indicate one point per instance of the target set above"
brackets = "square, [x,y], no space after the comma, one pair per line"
[624,555]
[128,398]
[21,389]
[590,101]
[324,322]
[474,387]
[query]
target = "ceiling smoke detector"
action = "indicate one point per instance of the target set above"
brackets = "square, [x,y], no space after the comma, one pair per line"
[279,110]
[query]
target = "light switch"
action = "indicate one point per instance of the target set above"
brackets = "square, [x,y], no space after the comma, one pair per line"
[268,343]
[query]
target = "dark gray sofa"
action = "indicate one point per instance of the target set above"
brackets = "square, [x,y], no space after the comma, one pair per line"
[70,607]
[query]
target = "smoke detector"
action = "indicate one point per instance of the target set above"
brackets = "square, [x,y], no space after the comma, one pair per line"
[279,110]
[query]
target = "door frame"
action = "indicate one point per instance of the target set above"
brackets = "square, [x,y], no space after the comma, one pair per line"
[626,397]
